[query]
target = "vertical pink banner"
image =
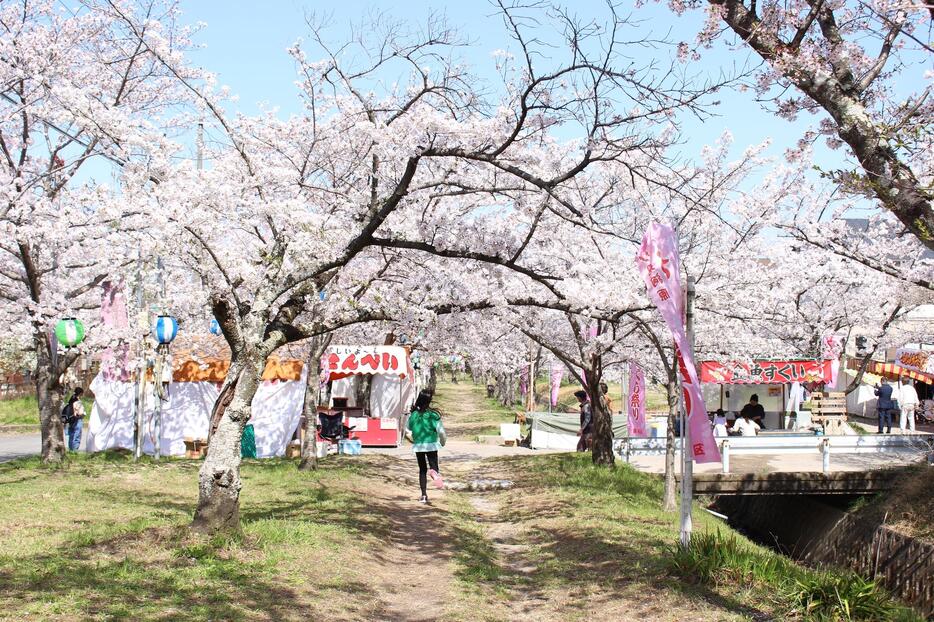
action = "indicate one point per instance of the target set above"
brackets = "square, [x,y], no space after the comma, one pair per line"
[636,400]
[523,380]
[659,265]
[115,362]
[831,350]
[557,373]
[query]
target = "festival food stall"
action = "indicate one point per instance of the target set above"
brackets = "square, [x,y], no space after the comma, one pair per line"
[732,384]
[199,366]
[918,365]
[374,387]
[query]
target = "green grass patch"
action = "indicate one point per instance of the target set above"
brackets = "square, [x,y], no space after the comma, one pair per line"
[25,410]
[106,538]
[724,560]
[19,411]
[592,526]
[468,412]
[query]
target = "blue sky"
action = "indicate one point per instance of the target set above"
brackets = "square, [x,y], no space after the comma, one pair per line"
[245,44]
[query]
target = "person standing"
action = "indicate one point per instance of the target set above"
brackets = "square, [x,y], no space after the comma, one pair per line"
[884,405]
[754,411]
[908,401]
[586,422]
[428,437]
[73,417]
[607,400]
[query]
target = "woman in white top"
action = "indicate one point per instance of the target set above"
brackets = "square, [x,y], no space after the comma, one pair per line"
[745,427]
[719,423]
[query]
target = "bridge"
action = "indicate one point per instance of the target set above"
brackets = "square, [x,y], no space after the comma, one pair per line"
[790,483]
[789,453]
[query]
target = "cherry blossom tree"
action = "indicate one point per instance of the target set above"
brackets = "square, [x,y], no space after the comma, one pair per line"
[424,166]
[77,88]
[863,63]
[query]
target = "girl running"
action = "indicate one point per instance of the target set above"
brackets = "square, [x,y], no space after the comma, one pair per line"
[428,437]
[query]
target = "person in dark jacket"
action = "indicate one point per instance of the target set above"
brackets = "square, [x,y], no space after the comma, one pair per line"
[753,411]
[586,430]
[884,405]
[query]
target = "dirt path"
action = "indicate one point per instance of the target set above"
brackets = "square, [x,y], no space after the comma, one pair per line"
[501,554]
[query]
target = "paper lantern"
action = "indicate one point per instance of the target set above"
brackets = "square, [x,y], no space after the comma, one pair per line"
[165,329]
[69,332]
[215,327]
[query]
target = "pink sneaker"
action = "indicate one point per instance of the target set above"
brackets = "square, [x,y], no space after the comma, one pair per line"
[436,478]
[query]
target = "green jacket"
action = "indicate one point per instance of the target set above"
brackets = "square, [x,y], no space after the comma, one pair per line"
[425,426]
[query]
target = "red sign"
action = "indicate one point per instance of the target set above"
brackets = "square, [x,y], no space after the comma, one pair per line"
[343,361]
[766,372]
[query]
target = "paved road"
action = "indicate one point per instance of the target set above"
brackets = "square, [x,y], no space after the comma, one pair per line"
[21,445]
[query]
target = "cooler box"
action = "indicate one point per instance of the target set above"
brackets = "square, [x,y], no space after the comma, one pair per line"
[350,447]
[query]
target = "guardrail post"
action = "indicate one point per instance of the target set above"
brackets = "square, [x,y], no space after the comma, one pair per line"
[825,448]
[725,455]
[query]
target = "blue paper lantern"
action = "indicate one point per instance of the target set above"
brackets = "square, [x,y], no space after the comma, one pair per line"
[215,327]
[165,329]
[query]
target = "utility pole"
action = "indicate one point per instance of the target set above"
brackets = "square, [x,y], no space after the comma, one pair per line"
[687,461]
[200,146]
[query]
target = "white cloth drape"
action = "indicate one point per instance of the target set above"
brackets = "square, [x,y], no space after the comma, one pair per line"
[276,410]
[110,424]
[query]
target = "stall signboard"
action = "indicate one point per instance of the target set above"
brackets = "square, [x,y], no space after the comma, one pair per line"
[342,361]
[766,372]
[916,360]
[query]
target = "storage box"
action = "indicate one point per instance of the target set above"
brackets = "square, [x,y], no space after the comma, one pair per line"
[195,448]
[350,447]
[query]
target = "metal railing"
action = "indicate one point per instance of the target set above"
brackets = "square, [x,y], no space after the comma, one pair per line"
[788,444]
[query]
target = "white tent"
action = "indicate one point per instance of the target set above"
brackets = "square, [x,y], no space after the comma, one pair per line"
[186,413]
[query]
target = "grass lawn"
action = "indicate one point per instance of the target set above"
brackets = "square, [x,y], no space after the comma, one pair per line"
[104,538]
[468,412]
[655,398]
[19,411]
[25,410]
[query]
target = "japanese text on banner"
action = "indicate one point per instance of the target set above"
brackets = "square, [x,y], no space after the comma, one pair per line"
[659,265]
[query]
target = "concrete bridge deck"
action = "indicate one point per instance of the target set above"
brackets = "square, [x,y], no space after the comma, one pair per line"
[803,483]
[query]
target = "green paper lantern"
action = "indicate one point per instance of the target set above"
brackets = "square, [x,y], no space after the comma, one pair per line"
[69,331]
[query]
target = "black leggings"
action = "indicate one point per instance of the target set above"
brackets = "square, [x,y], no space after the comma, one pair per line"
[426,458]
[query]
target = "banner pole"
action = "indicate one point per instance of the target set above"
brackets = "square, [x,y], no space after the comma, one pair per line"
[687,462]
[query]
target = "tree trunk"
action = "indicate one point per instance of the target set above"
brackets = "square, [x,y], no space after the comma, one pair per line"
[309,460]
[432,379]
[225,396]
[674,399]
[219,479]
[602,449]
[49,398]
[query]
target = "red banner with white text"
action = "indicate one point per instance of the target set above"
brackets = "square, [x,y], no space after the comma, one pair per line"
[766,372]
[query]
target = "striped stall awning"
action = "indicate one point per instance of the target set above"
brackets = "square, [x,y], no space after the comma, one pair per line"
[891,371]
